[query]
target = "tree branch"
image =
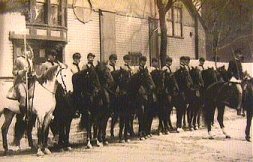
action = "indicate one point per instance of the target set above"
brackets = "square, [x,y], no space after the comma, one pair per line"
[169,4]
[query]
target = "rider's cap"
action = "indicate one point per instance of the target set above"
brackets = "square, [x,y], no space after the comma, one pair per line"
[52,53]
[113,57]
[126,57]
[91,55]
[168,59]
[202,59]
[143,58]
[76,55]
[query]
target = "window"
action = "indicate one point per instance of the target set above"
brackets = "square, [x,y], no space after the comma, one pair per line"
[55,16]
[178,22]
[49,12]
[174,22]
[39,11]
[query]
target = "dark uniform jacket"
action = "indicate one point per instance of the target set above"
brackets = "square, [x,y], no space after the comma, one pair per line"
[235,69]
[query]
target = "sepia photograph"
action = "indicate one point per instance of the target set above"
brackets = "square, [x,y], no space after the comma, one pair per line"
[126,80]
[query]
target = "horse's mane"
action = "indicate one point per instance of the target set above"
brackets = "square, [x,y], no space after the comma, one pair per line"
[49,74]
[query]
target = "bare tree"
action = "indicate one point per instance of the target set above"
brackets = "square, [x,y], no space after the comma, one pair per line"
[163,8]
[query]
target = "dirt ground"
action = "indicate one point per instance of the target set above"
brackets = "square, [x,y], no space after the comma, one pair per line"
[185,146]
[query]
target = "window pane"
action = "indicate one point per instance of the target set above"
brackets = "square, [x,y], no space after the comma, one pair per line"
[169,28]
[178,30]
[39,13]
[54,18]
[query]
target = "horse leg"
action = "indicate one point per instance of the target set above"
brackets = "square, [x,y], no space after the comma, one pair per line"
[141,122]
[247,130]
[87,123]
[19,129]
[210,110]
[115,117]
[30,126]
[45,131]
[190,115]
[8,116]
[104,126]
[40,137]
[169,115]
[221,109]
[68,125]
[126,126]
[121,126]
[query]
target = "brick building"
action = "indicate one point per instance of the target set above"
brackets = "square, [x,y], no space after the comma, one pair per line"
[119,27]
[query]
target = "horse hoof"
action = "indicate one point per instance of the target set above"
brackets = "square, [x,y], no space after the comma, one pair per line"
[166,132]
[159,133]
[127,140]
[179,130]
[142,138]
[40,153]
[191,129]
[47,151]
[99,144]
[196,128]
[69,148]
[248,138]
[15,148]
[121,141]
[89,146]
[227,136]
[106,143]
[7,152]
[61,150]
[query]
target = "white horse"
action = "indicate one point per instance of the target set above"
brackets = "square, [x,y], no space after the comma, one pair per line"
[42,103]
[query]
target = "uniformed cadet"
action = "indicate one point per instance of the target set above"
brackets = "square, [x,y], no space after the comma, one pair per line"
[23,64]
[182,62]
[187,63]
[126,65]
[75,67]
[236,74]
[201,63]
[167,67]
[154,65]
[112,62]
[90,59]
[142,62]
[50,62]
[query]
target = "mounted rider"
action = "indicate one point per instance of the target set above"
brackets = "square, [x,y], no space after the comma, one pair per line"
[23,67]
[236,75]
[112,62]
[167,67]
[126,65]
[90,59]
[201,63]
[75,66]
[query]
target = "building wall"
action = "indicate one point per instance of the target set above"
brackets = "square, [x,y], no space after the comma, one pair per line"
[132,35]
[183,46]
[10,22]
[83,38]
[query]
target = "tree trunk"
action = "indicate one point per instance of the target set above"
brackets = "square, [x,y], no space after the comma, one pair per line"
[163,47]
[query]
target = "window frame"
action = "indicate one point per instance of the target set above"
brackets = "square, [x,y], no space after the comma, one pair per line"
[62,14]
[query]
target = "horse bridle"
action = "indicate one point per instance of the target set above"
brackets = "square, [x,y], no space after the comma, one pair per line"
[63,82]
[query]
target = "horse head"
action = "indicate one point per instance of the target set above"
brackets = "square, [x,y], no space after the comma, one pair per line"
[170,83]
[158,77]
[197,77]
[64,78]
[104,74]
[222,73]
[209,76]
[184,79]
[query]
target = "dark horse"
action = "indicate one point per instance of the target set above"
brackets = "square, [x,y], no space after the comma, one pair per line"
[219,94]
[140,91]
[107,82]
[185,86]
[87,91]
[120,104]
[195,99]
